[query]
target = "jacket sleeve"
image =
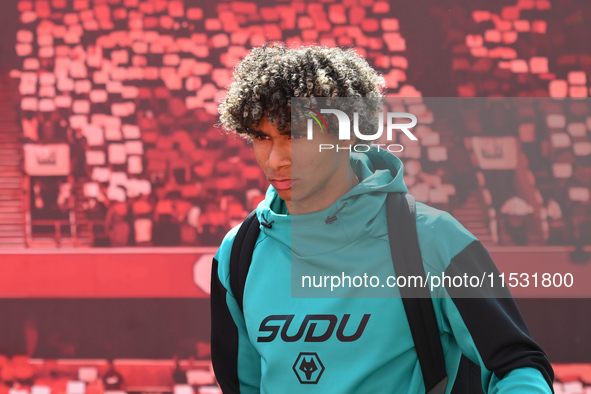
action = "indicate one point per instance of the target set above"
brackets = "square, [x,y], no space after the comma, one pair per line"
[485,322]
[491,332]
[236,363]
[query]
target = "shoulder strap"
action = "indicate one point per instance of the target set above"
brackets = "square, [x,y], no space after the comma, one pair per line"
[241,255]
[406,256]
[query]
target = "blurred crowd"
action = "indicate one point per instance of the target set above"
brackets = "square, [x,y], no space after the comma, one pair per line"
[20,374]
[132,88]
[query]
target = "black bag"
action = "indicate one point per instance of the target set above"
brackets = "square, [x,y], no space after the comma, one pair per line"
[406,257]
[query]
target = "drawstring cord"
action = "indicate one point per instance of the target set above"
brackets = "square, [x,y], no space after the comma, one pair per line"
[265,223]
[331,219]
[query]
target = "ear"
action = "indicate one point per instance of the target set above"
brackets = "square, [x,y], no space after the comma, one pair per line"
[346,143]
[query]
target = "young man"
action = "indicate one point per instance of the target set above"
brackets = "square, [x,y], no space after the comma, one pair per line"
[334,204]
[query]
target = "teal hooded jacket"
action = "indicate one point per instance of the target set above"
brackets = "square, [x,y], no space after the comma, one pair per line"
[347,344]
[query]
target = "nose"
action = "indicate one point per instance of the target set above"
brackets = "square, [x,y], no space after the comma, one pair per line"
[280,154]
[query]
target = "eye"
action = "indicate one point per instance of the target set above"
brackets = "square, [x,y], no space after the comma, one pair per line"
[260,137]
[297,136]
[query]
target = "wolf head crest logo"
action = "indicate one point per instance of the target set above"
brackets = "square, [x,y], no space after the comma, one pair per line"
[308,368]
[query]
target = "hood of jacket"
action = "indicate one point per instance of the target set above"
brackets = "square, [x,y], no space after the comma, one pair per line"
[357,212]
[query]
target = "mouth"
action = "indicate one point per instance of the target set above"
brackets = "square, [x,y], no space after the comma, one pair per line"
[281,184]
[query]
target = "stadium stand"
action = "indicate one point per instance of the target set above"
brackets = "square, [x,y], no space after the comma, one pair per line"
[20,374]
[130,88]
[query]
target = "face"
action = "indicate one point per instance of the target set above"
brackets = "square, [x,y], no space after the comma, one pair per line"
[306,179]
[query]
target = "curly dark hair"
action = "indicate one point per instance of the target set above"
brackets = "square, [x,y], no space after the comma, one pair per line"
[270,75]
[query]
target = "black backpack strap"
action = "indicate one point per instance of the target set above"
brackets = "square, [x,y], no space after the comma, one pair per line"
[241,255]
[406,256]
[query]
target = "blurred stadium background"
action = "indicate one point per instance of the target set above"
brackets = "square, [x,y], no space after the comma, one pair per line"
[116,186]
